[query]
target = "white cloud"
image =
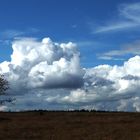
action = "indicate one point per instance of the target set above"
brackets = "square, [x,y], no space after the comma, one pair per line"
[11,33]
[126,49]
[128,17]
[36,64]
[47,75]
[3,108]
[106,88]
[105,56]
[6,36]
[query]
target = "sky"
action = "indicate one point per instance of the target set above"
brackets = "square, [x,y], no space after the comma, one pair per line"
[71,54]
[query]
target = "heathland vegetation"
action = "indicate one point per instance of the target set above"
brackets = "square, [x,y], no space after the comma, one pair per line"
[72,125]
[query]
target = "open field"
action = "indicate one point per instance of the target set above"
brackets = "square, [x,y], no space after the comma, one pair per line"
[69,126]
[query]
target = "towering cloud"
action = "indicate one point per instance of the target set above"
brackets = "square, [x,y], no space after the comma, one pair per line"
[44,64]
[48,75]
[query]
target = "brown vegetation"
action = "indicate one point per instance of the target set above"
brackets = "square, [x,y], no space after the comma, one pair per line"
[69,126]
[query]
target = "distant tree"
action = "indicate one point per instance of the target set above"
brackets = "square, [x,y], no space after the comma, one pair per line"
[3,84]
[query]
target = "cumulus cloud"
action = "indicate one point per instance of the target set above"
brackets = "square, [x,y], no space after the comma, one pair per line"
[108,87]
[47,75]
[43,64]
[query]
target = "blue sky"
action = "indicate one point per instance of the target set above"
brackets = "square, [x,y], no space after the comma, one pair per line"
[97,26]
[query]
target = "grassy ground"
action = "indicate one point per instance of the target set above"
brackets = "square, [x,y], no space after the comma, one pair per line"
[69,126]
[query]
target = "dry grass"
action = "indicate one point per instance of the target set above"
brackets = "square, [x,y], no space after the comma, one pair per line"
[69,126]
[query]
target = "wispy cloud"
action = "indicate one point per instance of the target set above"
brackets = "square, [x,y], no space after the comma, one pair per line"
[7,35]
[106,57]
[87,43]
[128,17]
[11,33]
[130,48]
